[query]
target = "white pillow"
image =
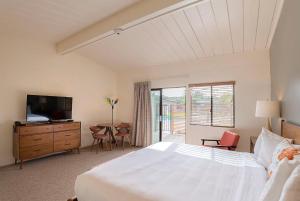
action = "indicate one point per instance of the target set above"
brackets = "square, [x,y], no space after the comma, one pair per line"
[257,145]
[266,143]
[291,188]
[274,185]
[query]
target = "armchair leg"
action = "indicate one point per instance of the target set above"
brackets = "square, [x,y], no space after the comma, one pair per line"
[102,146]
[116,144]
[93,145]
[97,149]
[123,142]
[128,138]
[110,143]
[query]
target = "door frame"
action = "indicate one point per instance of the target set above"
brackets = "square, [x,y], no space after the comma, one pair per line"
[160,111]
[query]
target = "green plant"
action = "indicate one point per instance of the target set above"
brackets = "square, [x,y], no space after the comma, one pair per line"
[112,103]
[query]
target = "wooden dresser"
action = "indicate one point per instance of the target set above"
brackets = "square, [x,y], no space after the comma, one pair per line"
[36,140]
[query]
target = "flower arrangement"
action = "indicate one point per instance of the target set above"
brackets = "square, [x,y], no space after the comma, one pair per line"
[112,102]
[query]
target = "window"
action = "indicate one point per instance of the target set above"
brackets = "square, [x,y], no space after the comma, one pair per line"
[212,104]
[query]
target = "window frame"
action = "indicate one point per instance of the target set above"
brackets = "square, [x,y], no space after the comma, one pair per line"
[211,84]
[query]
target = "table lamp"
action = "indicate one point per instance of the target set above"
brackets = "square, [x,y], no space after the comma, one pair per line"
[267,109]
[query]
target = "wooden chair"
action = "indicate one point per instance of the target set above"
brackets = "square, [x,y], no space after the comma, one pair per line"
[228,141]
[123,131]
[97,136]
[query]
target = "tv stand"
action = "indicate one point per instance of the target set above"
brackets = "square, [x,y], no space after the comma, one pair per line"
[31,141]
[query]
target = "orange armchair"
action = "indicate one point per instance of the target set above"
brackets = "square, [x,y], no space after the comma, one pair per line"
[228,141]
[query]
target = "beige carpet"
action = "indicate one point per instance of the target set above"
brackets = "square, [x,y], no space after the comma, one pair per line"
[51,178]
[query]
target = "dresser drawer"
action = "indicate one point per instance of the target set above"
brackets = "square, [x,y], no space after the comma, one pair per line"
[35,151]
[66,135]
[68,144]
[66,126]
[31,140]
[35,129]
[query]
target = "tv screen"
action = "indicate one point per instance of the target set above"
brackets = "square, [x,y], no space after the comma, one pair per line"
[48,108]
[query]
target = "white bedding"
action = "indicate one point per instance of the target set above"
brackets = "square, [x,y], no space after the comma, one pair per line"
[174,172]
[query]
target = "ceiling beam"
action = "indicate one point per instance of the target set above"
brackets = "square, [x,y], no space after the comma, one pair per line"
[134,14]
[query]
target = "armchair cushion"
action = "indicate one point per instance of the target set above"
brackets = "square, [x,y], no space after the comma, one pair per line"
[210,140]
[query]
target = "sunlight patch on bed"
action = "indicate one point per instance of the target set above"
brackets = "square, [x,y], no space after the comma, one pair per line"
[218,155]
[162,146]
[200,152]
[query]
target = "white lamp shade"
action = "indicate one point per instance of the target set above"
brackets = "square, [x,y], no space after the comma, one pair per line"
[267,109]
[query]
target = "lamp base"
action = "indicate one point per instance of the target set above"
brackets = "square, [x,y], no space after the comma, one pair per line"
[268,124]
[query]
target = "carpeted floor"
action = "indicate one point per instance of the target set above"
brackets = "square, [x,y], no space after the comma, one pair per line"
[51,178]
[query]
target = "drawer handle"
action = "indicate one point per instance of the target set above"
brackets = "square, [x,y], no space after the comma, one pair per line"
[67,135]
[37,139]
[68,144]
[36,150]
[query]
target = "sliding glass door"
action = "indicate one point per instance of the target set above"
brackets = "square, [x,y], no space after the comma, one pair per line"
[168,114]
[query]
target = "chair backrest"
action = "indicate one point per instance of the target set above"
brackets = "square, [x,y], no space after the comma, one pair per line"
[123,128]
[230,139]
[95,129]
[123,125]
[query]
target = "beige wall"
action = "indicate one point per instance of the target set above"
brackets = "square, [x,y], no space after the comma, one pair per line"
[285,63]
[28,66]
[250,71]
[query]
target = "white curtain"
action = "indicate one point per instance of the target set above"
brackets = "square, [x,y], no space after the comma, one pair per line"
[141,127]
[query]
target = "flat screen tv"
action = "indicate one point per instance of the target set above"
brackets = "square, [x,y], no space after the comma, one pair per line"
[48,108]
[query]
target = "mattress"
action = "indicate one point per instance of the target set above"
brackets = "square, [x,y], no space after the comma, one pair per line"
[174,172]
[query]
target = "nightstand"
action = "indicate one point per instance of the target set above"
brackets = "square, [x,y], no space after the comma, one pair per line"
[252,143]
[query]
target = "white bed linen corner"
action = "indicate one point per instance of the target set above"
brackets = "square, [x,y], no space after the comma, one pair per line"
[174,172]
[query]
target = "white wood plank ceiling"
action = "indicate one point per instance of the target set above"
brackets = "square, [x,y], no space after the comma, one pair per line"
[54,20]
[211,28]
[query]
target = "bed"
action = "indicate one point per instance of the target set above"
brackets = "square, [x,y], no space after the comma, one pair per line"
[176,172]
[189,172]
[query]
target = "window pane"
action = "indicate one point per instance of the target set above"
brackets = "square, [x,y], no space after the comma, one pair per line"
[223,105]
[201,105]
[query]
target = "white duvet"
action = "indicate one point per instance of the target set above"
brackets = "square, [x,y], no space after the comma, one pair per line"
[174,172]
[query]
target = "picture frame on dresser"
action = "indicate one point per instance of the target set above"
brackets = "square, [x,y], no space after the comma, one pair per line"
[32,141]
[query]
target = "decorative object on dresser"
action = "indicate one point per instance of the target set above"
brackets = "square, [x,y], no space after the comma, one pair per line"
[267,109]
[32,141]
